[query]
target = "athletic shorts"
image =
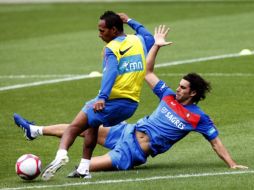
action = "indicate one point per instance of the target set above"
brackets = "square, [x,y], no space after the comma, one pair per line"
[115,111]
[127,152]
[114,135]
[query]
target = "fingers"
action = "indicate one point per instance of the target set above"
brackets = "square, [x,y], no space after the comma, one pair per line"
[160,33]
[162,29]
[99,106]
[155,30]
[168,43]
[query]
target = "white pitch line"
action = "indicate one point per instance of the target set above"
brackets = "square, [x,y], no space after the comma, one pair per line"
[44,82]
[202,59]
[38,76]
[87,76]
[133,180]
[212,74]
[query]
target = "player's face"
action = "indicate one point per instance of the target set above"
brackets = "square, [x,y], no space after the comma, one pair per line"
[183,92]
[106,34]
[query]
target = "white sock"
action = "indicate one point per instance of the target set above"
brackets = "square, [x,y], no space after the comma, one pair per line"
[36,130]
[83,167]
[61,153]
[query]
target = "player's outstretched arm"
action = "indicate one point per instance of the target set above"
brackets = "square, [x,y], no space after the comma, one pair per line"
[160,34]
[139,29]
[222,152]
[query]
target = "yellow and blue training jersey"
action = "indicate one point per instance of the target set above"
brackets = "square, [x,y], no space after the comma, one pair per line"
[124,64]
[131,67]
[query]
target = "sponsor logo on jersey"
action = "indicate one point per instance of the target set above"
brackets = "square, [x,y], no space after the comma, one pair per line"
[174,120]
[130,64]
[182,112]
[124,51]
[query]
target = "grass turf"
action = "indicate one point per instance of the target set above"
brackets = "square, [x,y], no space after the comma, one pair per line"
[62,39]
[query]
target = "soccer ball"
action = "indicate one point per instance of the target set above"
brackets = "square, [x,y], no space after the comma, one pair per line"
[28,166]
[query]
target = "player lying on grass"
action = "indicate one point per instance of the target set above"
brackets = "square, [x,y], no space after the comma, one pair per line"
[176,115]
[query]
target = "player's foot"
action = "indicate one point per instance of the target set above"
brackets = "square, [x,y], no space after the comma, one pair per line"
[76,174]
[24,125]
[53,167]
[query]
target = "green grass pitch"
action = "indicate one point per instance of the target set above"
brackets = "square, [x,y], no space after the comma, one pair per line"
[41,42]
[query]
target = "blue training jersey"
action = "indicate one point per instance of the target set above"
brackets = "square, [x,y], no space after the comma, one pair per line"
[172,121]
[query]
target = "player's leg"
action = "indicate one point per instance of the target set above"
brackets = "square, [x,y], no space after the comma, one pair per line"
[78,125]
[56,130]
[91,136]
[101,163]
[98,163]
[27,126]
[88,148]
[32,131]
[90,141]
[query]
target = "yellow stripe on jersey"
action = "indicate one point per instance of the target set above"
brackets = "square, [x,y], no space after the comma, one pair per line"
[131,67]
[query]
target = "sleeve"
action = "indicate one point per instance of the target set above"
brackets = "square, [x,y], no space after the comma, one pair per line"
[110,73]
[143,32]
[207,128]
[161,90]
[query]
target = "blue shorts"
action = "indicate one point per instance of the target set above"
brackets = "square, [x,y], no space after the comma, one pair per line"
[115,111]
[127,152]
[114,135]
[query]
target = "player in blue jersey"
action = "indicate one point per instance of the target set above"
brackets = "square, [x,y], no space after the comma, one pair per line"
[124,67]
[176,115]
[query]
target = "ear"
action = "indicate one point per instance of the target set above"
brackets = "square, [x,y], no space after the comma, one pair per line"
[193,93]
[114,30]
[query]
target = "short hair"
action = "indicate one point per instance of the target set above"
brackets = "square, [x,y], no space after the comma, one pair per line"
[199,85]
[112,20]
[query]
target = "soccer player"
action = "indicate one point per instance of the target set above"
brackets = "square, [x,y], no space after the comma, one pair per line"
[124,66]
[176,115]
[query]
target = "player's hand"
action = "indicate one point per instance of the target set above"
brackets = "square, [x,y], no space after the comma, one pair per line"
[239,167]
[99,105]
[160,33]
[124,17]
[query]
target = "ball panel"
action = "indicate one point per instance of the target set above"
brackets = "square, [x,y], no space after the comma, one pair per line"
[21,158]
[28,166]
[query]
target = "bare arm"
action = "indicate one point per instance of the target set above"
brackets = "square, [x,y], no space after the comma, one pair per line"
[159,37]
[222,152]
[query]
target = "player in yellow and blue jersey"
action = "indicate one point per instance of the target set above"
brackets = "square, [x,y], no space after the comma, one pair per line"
[124,67]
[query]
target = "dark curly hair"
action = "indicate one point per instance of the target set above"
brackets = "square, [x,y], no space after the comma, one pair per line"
[112,20]
[199,85]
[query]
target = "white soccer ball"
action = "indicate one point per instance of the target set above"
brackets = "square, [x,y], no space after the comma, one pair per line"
[28,166]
